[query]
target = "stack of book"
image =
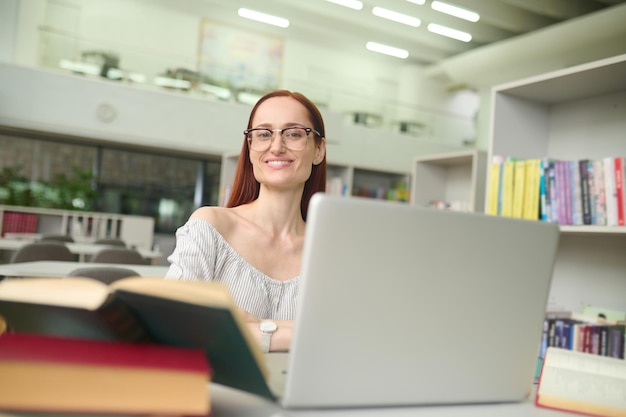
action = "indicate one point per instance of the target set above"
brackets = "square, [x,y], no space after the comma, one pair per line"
[137,346]
[568,192]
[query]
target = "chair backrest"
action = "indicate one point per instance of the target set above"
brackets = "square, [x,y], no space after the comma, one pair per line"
[106,274]
[43,251]
[118,256]
[110,241]
[57,238]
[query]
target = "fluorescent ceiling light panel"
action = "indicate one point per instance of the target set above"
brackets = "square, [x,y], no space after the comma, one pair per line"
[387,50]
[263,18]
[455,11]
[449,32]
[353,4]
[420,2]
[396,17]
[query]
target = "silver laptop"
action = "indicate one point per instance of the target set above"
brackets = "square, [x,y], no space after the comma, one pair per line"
[403,305]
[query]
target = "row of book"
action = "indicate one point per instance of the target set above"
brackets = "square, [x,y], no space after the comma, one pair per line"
[584,334]
[13,222]
[568,192]
[397,192]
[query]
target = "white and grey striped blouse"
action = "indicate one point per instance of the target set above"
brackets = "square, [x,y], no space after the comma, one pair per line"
[202,253]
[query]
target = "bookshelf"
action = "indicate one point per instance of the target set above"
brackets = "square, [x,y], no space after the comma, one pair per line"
[573,113]
[136,231]
[385,185]
[341,179]
[456,178]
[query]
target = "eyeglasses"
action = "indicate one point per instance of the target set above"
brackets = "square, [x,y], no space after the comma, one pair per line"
[294,138]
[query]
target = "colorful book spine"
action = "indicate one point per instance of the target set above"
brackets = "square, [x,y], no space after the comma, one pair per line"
[507,187]
[599,192]
[532,193]
[619,189]
[610,192]
[552,192]
[494,186]
[585,194]
[519,188]
[544,195]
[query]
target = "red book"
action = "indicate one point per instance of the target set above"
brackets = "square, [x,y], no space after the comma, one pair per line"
[68,375]
[619,188]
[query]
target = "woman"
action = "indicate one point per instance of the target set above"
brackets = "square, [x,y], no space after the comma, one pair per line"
[254,245]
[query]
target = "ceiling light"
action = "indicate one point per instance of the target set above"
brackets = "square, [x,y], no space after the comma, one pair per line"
[387,50]
[455,11]
[449,32]
[264,18]
[353,4]
[396,17]
[420,2]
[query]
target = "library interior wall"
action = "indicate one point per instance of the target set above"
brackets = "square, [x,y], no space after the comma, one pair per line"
[67,104]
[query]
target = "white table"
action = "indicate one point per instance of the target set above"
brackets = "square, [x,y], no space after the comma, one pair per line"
[81,249]
[61,269]
[228,402]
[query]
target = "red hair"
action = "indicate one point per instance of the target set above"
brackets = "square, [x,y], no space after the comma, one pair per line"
[246,187]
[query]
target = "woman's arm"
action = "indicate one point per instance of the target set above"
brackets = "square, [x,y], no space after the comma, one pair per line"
[281,339]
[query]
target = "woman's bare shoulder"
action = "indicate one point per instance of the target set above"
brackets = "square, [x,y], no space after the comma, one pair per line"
[221,218]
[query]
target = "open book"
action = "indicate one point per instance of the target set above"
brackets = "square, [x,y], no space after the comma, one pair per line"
[582,383]
[177,313]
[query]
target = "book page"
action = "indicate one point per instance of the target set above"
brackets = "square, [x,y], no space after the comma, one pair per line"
[583,382]
[69,292]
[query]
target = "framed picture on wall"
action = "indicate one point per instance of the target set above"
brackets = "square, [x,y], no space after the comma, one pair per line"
[237,59]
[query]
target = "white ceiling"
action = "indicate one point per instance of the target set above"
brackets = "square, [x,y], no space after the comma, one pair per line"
[332,26]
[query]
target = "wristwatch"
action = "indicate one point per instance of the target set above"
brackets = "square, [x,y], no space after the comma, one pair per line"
[267,329]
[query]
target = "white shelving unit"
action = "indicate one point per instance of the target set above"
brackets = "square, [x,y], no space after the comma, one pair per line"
[574,113]
[342,179]
[136,231]
[456,178]
[373,183]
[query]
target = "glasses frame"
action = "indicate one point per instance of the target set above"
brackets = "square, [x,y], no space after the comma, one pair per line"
[308,130]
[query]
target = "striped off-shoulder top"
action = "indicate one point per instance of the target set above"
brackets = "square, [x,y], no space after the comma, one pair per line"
[202,253]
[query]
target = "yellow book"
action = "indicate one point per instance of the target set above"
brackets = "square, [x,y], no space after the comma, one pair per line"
[531,200]
[507,188]
[519,188]
[494,186]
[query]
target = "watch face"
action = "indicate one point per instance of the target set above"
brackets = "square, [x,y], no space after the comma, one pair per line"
[268,326]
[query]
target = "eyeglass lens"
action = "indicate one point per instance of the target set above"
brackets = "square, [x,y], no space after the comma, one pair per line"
[294,138]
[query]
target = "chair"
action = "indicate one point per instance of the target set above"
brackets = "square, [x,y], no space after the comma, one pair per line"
[57,238]
[106,274]
[43,251]
[110,241]
[118,256]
